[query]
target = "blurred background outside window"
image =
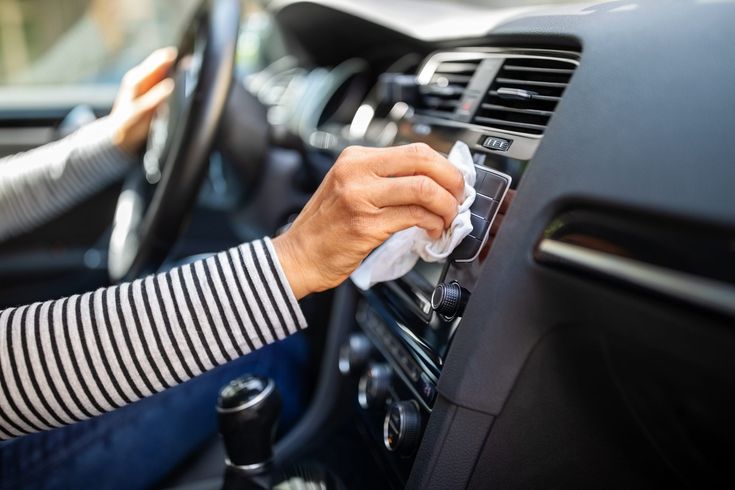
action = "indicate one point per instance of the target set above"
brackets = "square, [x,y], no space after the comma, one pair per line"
[52,42]
[58,53]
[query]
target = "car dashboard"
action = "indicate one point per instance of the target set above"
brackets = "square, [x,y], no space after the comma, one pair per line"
[593,131]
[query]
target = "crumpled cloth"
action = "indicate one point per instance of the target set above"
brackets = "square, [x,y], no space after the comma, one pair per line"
[399,254]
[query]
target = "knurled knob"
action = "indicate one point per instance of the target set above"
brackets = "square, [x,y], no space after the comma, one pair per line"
[449,300]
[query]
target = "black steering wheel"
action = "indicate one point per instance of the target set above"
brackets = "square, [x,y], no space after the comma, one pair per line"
[157,198]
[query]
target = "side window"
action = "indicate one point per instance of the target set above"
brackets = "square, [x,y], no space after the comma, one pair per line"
[82,42]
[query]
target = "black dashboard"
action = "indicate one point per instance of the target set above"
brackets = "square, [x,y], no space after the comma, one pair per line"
[596,345]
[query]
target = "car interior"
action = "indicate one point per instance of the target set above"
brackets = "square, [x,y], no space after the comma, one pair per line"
[585,339]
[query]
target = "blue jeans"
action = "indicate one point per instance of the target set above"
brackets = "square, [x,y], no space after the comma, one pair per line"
[137,445]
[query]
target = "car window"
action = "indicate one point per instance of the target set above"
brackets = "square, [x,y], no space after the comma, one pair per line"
[83,41]
[64,52]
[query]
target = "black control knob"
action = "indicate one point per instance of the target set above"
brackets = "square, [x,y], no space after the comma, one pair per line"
[247,411]
[449,300]
[402,427]
[374,386]
[355,354]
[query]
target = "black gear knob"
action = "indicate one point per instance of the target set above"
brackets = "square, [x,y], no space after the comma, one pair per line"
[247,410]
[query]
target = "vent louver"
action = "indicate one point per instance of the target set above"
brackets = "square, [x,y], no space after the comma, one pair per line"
[524,94]
[442,86]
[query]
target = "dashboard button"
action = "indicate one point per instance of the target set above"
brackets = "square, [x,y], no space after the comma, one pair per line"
[479,177]
[492,186]
[467,249]
[498,144]
[480,226]
[483,206]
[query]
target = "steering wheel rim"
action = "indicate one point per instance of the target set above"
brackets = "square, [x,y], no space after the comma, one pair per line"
[150,213]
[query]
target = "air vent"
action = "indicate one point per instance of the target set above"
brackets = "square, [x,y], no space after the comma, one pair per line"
[524,94]
[443,80]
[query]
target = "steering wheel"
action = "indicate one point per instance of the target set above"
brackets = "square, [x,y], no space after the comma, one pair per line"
[157,198]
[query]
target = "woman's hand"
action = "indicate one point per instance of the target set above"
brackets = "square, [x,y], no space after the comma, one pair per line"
[369,194]
[142,90]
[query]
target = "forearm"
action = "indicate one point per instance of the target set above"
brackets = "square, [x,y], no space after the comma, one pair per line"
[67,360]
[38,185]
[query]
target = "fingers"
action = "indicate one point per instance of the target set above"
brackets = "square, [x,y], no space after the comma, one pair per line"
[151,71]
[150,100]
[418,159]
[418,189]
[401,217]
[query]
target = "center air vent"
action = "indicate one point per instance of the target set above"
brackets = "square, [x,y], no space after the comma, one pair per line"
[443,80]
[524,94]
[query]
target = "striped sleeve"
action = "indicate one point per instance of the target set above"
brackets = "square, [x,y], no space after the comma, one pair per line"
[74,358]
[38,185]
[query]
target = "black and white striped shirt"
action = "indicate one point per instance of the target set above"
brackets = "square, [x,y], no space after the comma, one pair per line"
[71,359]
[68,360]
[38,185]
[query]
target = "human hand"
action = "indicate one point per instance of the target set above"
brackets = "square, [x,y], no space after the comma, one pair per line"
[369,194]
[142,90]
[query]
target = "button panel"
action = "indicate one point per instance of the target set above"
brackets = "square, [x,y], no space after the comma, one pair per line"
[493,143]
[491,187]
[482,206]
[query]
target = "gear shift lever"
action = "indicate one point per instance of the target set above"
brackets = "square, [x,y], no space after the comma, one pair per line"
[247,410]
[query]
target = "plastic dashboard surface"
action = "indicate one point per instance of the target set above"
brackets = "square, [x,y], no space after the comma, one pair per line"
[568,371]
[630,134]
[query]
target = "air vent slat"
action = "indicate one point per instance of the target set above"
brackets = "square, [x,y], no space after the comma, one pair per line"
[513,124]
[549,98]
[450,78]
[444,88]
[447,91]
[449,67]
[530,88]
[558,71]
[533,83]
[534,112]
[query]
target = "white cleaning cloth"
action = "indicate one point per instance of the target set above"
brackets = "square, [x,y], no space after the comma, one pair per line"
[402,250]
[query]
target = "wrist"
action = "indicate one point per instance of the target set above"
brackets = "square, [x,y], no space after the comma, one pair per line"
[288,255]
[122,140]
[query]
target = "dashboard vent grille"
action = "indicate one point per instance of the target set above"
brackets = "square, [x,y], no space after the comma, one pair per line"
[441,87]
[524,94]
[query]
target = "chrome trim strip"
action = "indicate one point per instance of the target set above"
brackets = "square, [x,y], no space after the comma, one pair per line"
[705,292]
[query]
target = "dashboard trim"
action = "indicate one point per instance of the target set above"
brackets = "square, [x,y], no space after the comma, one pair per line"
[681,285]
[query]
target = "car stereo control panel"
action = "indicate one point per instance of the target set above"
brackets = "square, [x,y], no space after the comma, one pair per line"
[404,330]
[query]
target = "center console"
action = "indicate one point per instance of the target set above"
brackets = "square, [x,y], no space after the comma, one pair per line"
[404,328]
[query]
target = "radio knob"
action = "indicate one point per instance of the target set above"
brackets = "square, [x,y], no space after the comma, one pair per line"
[355,354]
[402,427]
[374,386]
[449,300]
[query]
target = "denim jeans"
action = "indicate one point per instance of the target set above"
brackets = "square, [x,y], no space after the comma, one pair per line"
[137,445]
